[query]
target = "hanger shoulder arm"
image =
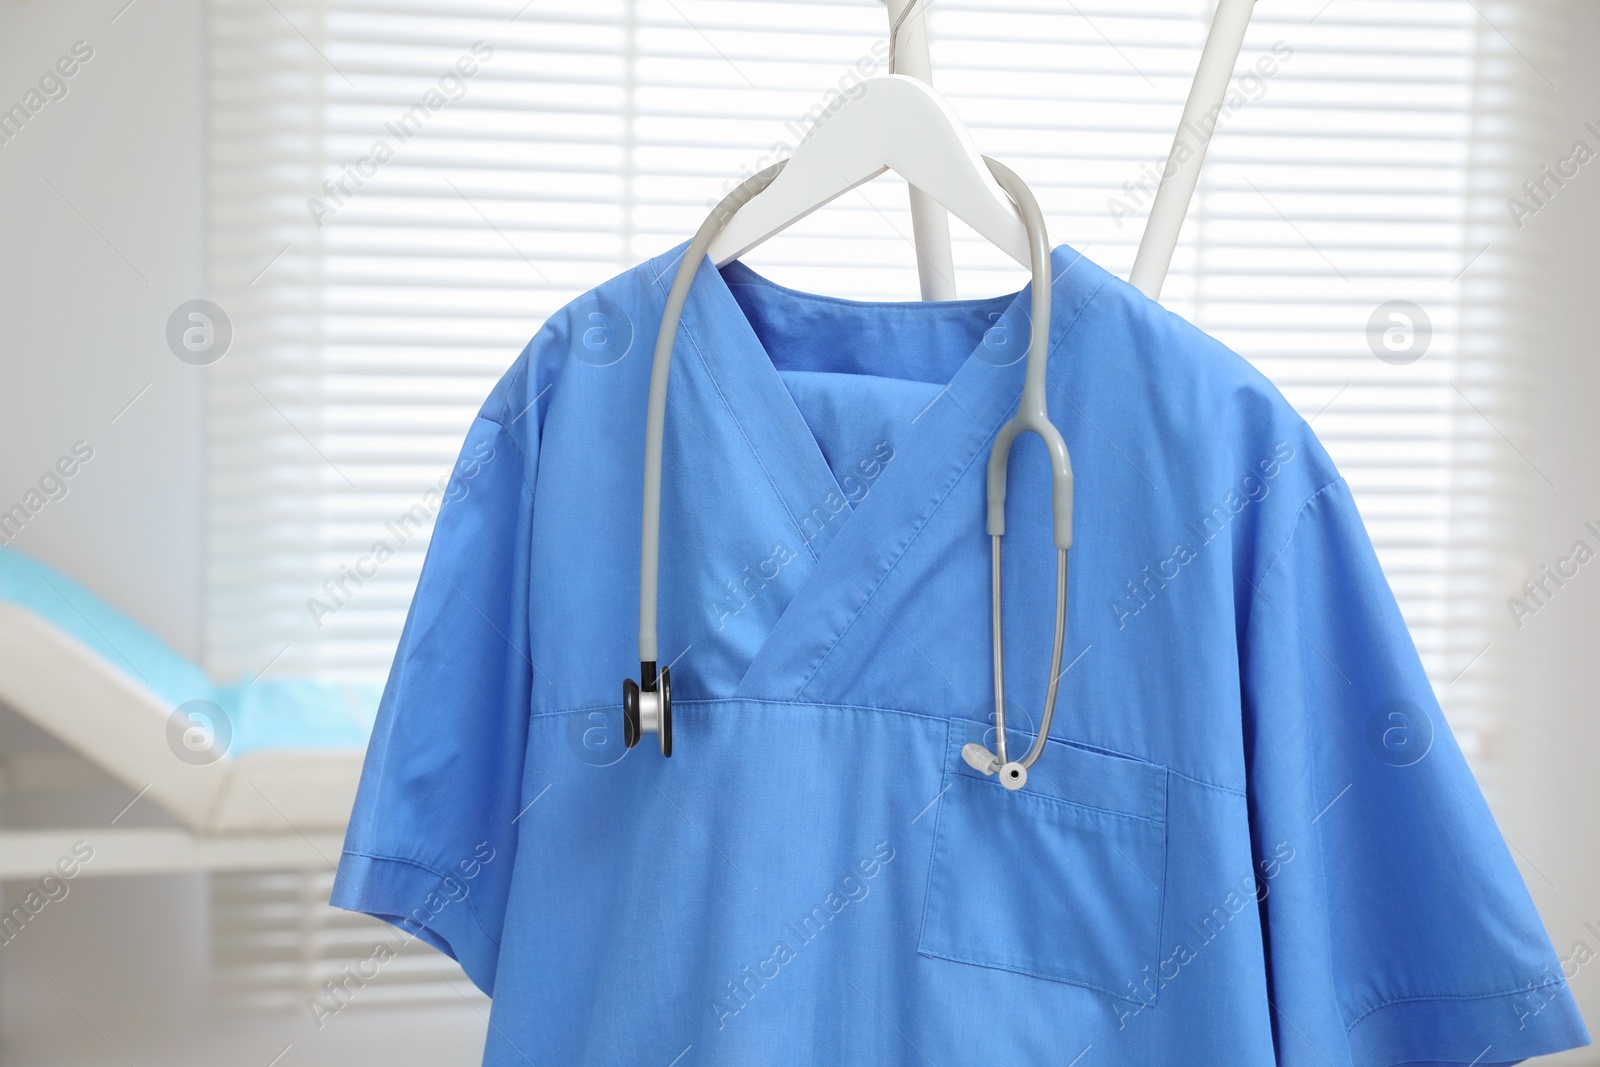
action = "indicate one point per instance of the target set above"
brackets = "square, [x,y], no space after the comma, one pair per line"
[892,122]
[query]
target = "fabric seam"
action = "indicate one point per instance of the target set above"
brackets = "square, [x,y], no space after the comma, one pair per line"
[1450,997]
[471,909]
[1052,798]
[933,842]
[944,494]
[683,324]
[1293,529]
[951,777]
[920,716]
[505,407]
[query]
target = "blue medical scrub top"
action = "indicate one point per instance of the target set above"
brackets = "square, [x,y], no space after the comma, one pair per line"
[1250,840]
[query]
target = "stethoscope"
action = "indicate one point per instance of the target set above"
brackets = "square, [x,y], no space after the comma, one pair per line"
[647,704]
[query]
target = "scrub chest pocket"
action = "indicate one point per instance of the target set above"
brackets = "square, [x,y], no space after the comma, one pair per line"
[1063,880]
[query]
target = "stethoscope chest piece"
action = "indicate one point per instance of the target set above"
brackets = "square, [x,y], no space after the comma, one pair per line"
[647,709]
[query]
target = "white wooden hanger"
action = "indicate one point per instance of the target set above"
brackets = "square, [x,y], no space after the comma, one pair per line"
[896,123]
[899,123]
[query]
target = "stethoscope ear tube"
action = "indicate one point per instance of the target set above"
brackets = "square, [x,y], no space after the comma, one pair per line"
[656,406]
[1014,773]
[1033,408]
[1032,415]
[647,704]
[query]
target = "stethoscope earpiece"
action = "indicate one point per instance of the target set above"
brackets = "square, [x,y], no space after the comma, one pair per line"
[1013,775]
[647,709]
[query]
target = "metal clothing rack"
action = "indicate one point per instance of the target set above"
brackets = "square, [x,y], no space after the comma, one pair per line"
[931,226]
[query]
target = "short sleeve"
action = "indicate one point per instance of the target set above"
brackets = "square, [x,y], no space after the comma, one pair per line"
[1402,932]
[432,839]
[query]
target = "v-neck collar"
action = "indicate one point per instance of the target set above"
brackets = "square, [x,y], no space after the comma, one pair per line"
[766,411]
[862,546]
[760,403]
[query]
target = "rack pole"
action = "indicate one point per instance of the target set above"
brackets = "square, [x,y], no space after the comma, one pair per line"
[1182,173]
[930,224]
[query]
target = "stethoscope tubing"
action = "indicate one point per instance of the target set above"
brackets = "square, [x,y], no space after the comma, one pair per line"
[1032,415]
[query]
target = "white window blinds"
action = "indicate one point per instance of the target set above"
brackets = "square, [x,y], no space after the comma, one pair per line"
[401,192]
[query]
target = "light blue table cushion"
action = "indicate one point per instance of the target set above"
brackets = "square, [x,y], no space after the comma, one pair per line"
[267,714]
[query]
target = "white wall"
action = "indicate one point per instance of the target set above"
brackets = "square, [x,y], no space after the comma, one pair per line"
[84,302]
[1559,821]
[81,332]
[85,290]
